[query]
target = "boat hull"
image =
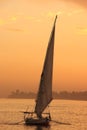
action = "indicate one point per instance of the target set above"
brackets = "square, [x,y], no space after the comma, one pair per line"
[41,122]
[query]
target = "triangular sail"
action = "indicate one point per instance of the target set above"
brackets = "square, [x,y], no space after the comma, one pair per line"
[44,96]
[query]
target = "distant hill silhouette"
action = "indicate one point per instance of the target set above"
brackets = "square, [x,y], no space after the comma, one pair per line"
[82,95]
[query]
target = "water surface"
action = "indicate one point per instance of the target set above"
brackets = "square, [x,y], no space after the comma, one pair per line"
[64,111]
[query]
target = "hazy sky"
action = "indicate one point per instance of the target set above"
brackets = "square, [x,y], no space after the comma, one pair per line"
[25,28]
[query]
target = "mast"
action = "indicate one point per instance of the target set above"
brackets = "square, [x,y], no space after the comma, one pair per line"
[44,95]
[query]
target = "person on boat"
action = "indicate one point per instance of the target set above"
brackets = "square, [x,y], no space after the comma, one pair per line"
[49,116]
[40,116]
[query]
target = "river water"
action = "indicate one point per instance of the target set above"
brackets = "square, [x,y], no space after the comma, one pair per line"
[64,111]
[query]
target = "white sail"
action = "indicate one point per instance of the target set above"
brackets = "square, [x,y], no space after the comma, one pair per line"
[44,96]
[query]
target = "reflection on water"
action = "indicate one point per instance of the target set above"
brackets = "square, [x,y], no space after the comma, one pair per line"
[39,128]
[42,128]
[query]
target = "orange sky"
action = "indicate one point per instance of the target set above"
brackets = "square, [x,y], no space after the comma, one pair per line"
[25,28]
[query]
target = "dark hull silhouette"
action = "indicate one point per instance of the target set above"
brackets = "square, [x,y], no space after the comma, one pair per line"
[39,122]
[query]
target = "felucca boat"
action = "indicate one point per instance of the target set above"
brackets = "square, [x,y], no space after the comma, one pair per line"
[44,96]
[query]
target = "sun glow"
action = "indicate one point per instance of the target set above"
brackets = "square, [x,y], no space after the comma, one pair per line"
[25,28]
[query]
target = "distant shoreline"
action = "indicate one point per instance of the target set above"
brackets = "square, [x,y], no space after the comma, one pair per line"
[63,95]
[53,99]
